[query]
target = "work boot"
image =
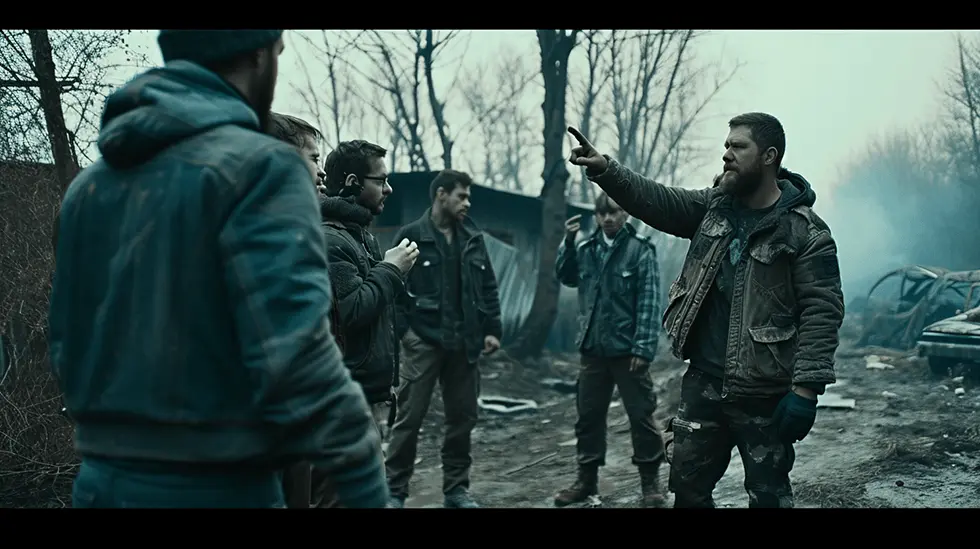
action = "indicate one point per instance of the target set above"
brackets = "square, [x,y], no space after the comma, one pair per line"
[459,499]
[586,485]
[653,496]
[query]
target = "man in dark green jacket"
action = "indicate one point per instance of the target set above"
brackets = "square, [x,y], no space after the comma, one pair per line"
[188,317]
[618,280]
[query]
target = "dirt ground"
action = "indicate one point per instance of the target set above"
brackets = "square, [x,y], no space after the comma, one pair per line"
[909,441]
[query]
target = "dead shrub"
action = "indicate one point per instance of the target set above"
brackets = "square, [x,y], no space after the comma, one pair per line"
[37,460]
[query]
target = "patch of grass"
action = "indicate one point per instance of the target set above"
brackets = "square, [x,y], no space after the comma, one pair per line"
[900,455]
[849,493]
[959,440]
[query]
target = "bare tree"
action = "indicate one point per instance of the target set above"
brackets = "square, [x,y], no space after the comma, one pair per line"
[598,74]
[398,73]
[52,88]
[962,91]
[657,97]
[492,94]
[428,50]
[329,99]
[556,47]
[402,63]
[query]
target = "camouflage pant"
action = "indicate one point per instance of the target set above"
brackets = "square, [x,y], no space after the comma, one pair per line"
[705,431]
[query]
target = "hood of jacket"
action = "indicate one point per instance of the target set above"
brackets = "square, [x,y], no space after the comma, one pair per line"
[796,190]
[164,106]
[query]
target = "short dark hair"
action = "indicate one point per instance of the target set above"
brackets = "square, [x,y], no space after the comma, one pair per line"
[448,180]
[292,130]
[350,157]
[766,132]
[603,204]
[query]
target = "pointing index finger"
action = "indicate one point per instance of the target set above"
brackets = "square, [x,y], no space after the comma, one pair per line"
[579,137]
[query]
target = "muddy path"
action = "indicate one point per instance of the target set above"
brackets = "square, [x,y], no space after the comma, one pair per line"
[909,441]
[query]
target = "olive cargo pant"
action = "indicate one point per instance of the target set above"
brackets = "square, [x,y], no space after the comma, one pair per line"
[424,366]
[109,484]
[705,431]
[320,492]
[596,379]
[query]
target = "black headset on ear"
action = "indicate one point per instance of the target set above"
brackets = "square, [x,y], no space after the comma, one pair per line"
[351,189]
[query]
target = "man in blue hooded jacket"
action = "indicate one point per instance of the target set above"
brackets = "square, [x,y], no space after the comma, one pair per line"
[188,320]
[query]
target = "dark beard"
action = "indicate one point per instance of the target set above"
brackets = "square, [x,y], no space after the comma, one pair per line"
[747,184]
[744,184]
[374,209]
[263,96]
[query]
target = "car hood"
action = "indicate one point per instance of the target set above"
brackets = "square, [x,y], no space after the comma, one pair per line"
[966,323]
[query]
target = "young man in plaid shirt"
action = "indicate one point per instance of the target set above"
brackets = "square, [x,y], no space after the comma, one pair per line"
[618,281]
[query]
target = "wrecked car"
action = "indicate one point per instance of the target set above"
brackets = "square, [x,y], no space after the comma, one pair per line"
[951,341]
[904,301]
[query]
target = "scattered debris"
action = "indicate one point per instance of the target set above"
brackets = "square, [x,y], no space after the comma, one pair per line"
[532,464]
[888,394]
[874,362]
[491,375]
[836,402]
[958,379]
[593,502]
[960,391]
[943,387]
[506,405]
[545,421]
[560,385]
[570,442]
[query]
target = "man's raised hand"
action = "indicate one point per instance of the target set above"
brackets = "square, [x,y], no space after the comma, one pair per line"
[572,227]
[403,255]
[585,154]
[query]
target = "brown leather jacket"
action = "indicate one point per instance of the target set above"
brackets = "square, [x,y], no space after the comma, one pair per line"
[787,306]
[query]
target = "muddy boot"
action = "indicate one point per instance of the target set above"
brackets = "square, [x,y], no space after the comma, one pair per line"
[587,484]
[653,496]
[459,499]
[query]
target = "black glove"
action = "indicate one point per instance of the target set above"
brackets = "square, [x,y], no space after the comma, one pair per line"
[794,417]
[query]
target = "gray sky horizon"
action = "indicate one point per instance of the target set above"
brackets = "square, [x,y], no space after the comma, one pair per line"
[833,91]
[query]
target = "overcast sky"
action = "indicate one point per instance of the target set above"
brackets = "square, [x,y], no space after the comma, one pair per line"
[832,90]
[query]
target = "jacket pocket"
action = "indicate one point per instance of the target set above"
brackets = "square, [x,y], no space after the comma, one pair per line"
[419,357]
[770,268]
[774,348]
[425,279]
[625,281]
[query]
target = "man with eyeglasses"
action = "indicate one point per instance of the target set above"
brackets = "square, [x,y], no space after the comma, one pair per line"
[365,283]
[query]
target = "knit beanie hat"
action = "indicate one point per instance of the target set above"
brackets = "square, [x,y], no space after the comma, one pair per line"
[209,46]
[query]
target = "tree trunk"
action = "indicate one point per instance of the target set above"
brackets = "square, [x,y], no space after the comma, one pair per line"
[556,46]
[66,165]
